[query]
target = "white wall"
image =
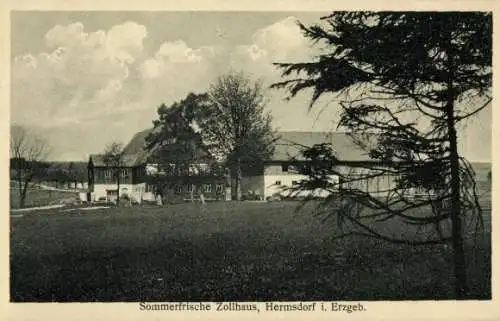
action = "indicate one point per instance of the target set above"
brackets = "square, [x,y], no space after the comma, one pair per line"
[287,180]
[148,196]
[134,191]
[273,173]
[376,186]
[270,183]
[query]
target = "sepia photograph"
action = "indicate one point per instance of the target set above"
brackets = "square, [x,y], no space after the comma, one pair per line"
[250,156]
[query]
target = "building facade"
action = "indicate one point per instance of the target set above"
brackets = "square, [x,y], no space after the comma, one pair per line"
[142,179]
[280,173]
[277,175]
[103,179]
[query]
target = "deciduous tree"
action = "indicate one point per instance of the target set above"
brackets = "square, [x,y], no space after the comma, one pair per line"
[235,126]
[114,159]
[27,152]
[175,146]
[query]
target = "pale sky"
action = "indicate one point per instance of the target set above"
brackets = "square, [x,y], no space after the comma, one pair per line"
[85,79]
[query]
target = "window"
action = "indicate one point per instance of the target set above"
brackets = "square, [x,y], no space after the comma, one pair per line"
[284,168]
[277,183]
[220,188]
[151,169]
[124,173]
[204,168]
[168,141]
[182,171]
[295,182]
[207,188]
[190,188]
[192,170]
[107,173]
[170,169]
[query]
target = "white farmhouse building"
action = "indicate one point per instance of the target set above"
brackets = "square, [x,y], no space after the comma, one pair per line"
[279,173]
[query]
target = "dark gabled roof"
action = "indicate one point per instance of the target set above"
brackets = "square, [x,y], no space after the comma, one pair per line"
[127,160]
[291,144]
[137,143]
[134,152]
[288,145]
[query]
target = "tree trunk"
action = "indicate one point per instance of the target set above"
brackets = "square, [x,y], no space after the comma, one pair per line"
[456,219]
[238,179]
[20,187]
[459,264]
[22,200]
[232,182]
[23,192]
[118,187]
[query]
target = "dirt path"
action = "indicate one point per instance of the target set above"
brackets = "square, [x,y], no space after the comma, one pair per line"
[46,207]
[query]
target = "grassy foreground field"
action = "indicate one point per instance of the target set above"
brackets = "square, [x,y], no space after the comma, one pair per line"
[222,252]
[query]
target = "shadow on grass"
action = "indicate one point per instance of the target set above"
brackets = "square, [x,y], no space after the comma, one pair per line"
[251,253]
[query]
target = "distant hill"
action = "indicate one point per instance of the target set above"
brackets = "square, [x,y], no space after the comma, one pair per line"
[57,171]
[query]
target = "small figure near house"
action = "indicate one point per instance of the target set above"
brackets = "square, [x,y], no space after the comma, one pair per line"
[191,193]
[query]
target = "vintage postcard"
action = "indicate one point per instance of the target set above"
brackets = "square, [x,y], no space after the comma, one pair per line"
[216,160]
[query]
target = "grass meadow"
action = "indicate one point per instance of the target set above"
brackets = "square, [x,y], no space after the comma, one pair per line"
[225,251]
